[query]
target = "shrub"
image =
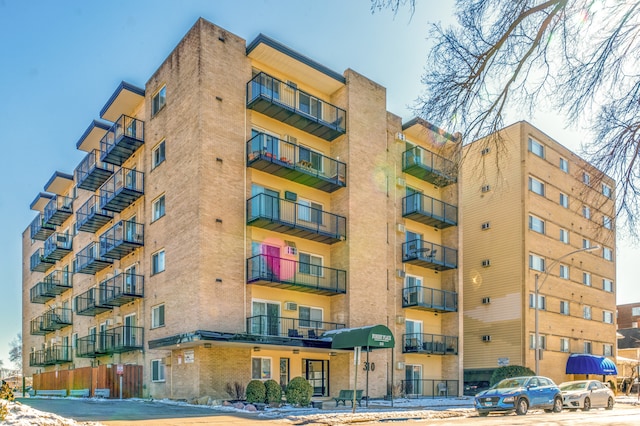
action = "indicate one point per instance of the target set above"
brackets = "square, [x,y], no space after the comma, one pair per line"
[510,371]
[235,391]
[256,391]
[5,393]
[274,391]
[299,392]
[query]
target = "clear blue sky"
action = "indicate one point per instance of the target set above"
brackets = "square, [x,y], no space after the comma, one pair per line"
[61,60]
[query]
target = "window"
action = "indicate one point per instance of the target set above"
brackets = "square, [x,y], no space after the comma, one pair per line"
[564,307]
[586,312]
[486,188]
[309,211]
[310,264]
[586,243]
[635,311]
[536,263]
[586,179]
[486,225]
[260,368]
[607,317]
[159,100]
[587,347]
[564,200]
[486,263]
[536,147]
[74,341]
[536,224]
[606,222]
[157,370]
[542,301]
[157,155]
[607,349]
[541,339]
[157,316]
[564,165]
[607,285]
[158,208]
[564,344]
[586,212]
[606,190]
[607,253]
[564,272]
[157,262]
[536,186]
[586,278]
[310,317]
[564,236]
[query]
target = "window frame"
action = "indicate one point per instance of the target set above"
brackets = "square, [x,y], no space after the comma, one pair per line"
[607,253]
[564,272]
[310,265]
[586,212]
[607,349]
[587,344]
[564,345]
[586,178]
[537,225]
[542,301]
[158,374]
[159,199]
[607,317]
[563,200]
[262,359]
[536,148]
[159,100]
[607,191]
[607,285]
[587,313]
[155,323]
[565,307]
[606,222]
[160,147]
[564,236]
[310,322]
[542,341]
[537,186]
[535,260]
[564,165]
[586,278]
[157,255]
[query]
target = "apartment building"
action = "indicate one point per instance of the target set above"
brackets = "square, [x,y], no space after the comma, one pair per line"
[628,315]
[535,214]
[242,216]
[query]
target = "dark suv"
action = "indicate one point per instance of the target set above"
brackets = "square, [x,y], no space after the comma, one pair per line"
[519,394]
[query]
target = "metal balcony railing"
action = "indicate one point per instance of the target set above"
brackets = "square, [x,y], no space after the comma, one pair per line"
[430,299]
[53,355]
[266,325]
[39,262]
[40,230]
[121,189]
[58,246]
[89,260]
[429,344]
[115,340]
[90,218]
[53,284]
[122,140]
[429,166]
[120,289]
[91,302]
[52,320]
[58,210]
[92,172]
[427,210]
[429,255]
[121,239]
[431,388]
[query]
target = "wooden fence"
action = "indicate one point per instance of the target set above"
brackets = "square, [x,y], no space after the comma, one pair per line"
[101,377]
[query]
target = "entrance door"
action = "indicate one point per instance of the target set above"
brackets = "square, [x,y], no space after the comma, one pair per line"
[272,255]
[265,203]
[413,200]
[102,341]
[413,379]
[266,318]
[130,280]
[317,374]
[413,332]
[129,332]
[414,244]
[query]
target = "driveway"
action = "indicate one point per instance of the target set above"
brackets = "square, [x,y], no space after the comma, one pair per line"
[141,413]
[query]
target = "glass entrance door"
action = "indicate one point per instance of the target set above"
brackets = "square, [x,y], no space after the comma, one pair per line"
[413,379]
[266,318]
[317,374]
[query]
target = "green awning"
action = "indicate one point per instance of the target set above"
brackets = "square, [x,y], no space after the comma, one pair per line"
[372,336]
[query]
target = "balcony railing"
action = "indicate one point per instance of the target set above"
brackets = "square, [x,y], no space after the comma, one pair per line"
[431,388]
[284,102]
[91,173]
[429,166]
[121,239]
[52,285]
[429,255]
[427,210]
[90,218]
[58,210]
[296,163]
[39,262]
[50,356]
[289,274]
[91,303]
[52,320]
[299,219]
[121,140]
[40,230]
[115,340]
[58,246]
[89,260]
[436,344]
[266,325]
[123,188]
[123,288]
[430,299]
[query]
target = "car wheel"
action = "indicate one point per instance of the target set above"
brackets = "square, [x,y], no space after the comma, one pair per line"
[522,406]
[557,405]
[609,404]
[587,405]
[483,413]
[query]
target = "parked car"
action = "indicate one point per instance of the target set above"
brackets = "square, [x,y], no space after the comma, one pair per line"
[519,394]
[472,388]
[587,394]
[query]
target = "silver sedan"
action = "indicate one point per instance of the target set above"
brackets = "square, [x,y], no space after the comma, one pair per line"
[586,394]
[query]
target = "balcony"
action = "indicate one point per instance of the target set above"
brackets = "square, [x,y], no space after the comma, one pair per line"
[52,320]
[90,218]
[429,211]
[266,325]
[295,163]
[57,246]
[121,239]
[429,255]
[123,188]
[428,166]
[289,274]
[429,388]
[284,102]
[91,303]
[40,230]
[429,299]
[112,341]
[122,140]
[58,210]
[123,288]
[89,261]
[50,356]
[52,285]
[91,173]
[305,220]
[435,344]
[39,263]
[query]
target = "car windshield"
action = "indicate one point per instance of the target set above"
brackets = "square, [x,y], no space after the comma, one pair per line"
[573,386]
[511,383]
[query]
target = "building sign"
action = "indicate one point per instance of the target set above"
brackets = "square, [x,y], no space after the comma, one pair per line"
[381,339]
[189,357]
[503,362]
[120,369]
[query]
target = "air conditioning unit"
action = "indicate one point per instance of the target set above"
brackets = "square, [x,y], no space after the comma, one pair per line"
[401,182]
[400,273]
[399,319]
[486,300]
[400,227]
[400,366]
[109,322]
[291,139]
[486,263]
[486,338]
[400,137]
[118,319]
[292,250]
[290,306]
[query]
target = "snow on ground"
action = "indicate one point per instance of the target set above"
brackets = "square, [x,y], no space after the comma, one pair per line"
[23,415]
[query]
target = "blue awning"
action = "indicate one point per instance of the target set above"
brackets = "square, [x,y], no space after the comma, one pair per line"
[590,364]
